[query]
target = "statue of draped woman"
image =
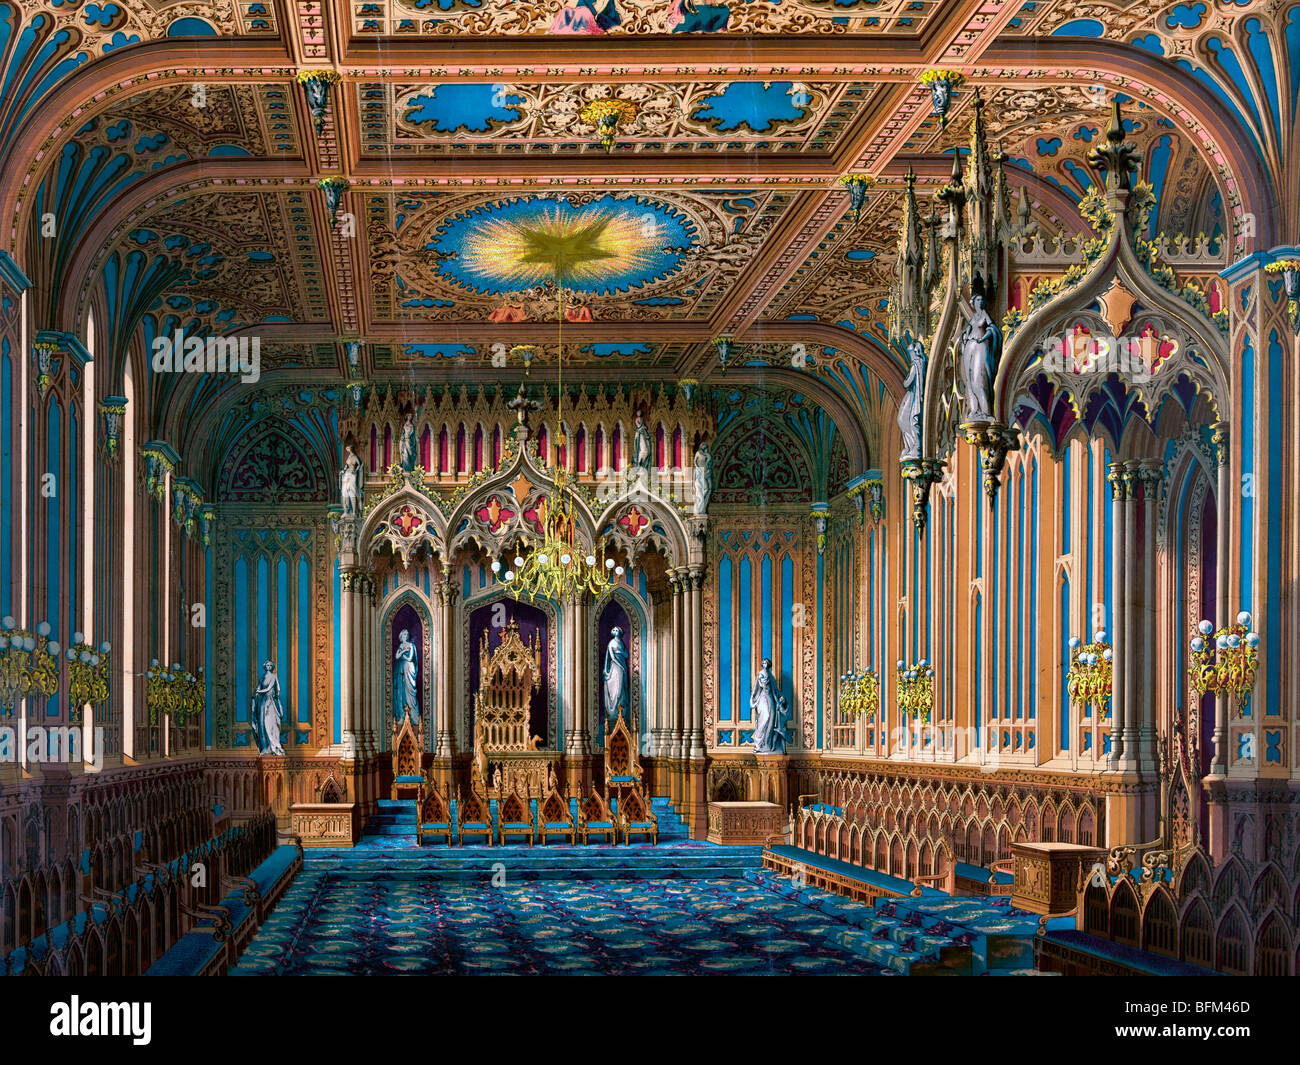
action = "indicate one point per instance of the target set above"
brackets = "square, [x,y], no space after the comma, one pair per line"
[267,712]
[350,483]
[981,344]
[909,410]
[768,710]
[615,675]
[406,446]
[405,669]
[703,477]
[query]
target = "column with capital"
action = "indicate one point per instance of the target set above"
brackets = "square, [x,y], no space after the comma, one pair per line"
[445,688]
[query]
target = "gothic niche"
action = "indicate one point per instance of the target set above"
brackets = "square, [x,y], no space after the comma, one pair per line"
[270,466]
[611,615]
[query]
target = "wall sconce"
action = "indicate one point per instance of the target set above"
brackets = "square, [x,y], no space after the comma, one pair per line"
[1088,680]
[1226,661]
[916,689]
[29,662]
[860,693]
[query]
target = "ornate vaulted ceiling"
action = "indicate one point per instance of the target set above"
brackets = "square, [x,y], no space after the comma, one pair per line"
[176,148]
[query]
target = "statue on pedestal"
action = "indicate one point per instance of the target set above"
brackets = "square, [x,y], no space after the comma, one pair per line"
[703,477]
[267,712]
[350,483]
[615,676]
[642,446]
[405,697]
[909,410]
[768,708]
[407,448]
[981,343]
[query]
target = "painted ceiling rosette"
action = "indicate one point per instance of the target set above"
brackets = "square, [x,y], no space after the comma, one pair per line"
[636,256]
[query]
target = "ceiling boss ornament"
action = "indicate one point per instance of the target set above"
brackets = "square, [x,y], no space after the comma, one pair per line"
[858,185]
[943,85]
[609,116]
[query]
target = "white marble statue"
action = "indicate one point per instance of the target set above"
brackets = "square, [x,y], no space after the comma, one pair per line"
[615,676]
[768,710]
[350,483]
[405,696]
[981,341]
[642,446]
[406,447]
[267,712]
[909,410]
[703,477]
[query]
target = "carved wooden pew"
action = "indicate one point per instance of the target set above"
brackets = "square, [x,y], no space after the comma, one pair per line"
[595,819]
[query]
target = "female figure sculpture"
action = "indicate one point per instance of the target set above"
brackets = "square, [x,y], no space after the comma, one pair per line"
[768,709]
[615,676]
[350,487]
[407,445]
[909,410]
[981,341]
[642,448]
[405,698]
[703,477]
[267,712]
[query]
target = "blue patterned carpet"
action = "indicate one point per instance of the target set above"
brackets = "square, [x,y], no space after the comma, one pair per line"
[372,922]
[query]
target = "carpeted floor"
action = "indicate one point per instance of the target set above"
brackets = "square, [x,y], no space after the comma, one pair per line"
[385,922]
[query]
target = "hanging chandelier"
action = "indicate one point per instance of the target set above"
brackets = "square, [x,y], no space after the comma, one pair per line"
[558,567]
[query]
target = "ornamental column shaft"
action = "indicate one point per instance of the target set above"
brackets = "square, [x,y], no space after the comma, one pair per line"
[445,670]
[575,671]
[1126,603]
[1118,554]
[697,744]
[1146,732]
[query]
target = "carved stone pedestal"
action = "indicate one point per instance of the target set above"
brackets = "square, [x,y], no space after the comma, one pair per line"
[744,823]
[772,778]
[1047,875]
